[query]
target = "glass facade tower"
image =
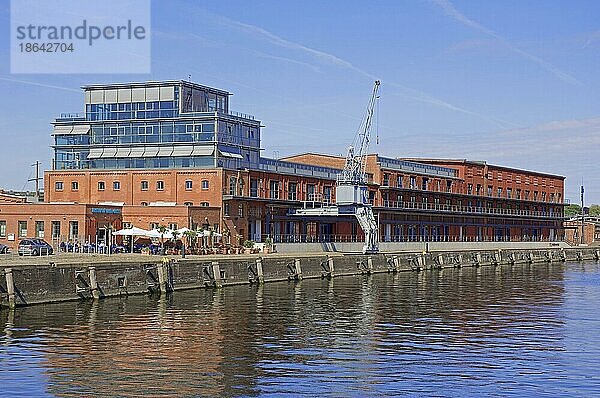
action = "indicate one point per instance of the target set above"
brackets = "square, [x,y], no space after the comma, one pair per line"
[166,124]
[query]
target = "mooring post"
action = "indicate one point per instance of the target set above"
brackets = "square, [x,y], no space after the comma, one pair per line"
[498,256]
[441,260]
[421,261]
[396,263]
[162,275]
[330,265]
[369,264]
[478,259]
[260,276]
[298,269]
[216,271]
[10,287]
[93,283]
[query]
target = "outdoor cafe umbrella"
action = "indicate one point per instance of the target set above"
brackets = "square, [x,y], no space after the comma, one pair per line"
[132,232]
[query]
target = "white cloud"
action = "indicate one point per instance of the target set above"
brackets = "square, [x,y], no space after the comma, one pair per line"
[32,83]
[453,13]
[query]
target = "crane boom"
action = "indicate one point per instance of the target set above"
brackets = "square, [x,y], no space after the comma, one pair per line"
[354,171]
[351,188]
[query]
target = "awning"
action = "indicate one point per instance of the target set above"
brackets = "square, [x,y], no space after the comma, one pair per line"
[231,155]
[62,130]
[81,129]
[122,152]
[95,153]
[137,152]
[203,151]
[109,152]
[151,152]
[183,150]
[165,151]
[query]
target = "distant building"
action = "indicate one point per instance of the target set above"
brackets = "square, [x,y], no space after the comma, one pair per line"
[591,231]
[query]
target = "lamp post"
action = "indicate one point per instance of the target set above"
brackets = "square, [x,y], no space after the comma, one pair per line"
[582,218]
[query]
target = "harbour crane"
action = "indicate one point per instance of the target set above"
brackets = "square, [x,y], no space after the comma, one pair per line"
[351,188]
[351,184]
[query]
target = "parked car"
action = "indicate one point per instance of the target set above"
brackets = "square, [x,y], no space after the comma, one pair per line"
[34,247]
[3,249]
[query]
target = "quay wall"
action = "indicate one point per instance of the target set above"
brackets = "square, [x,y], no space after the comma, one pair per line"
[44,281]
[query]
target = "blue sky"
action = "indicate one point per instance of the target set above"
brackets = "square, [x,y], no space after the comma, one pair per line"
[511,82]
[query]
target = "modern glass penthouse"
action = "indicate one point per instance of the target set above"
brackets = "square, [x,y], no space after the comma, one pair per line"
[149,125]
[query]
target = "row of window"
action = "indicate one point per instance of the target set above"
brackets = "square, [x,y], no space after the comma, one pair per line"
[144,185]
[77,161]
[412,180]
[312,192]
[23,230]
[518,194]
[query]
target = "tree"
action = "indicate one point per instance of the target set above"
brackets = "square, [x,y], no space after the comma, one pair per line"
[572,210]
[162,229]
[595,210]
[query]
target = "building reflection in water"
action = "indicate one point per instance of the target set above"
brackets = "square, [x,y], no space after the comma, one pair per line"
[250,339]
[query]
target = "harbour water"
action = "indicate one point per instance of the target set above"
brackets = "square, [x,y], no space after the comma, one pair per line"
[525,330]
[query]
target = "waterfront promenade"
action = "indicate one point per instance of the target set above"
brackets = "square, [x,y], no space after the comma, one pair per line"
[69,276]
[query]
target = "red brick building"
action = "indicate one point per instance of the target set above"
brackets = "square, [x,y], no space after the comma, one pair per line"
[173,153]
[57,222]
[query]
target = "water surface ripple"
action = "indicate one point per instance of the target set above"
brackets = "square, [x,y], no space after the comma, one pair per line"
[492,331]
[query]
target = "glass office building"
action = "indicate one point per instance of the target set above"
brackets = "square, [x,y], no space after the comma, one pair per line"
[165,124]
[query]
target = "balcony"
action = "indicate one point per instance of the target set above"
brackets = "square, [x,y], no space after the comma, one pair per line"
[468,210]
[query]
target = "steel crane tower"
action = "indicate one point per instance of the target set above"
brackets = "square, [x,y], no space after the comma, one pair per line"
[351,185]
[351,189]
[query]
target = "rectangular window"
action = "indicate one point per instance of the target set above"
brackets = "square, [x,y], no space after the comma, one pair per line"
[2,229]
[154,225]
[543,196]
[413,182]
[253,188]
[73,229]
[274,189]
[386,179]
[310,192]
[226,208]
[470,189]
[204,184]
[232,185]
[509,193]
[55,229]
[74,186]
[241,210]
[399,181]
[22,229]
[292,191]
[327,194]
[144,185]
[424,183]
[478,192]
[449,186]
[58,186]
[489,190]
[116,185]
[101,186]
[160,185]
[204,204]
[39,229]
[188,185]
[499,192]
[173,226]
